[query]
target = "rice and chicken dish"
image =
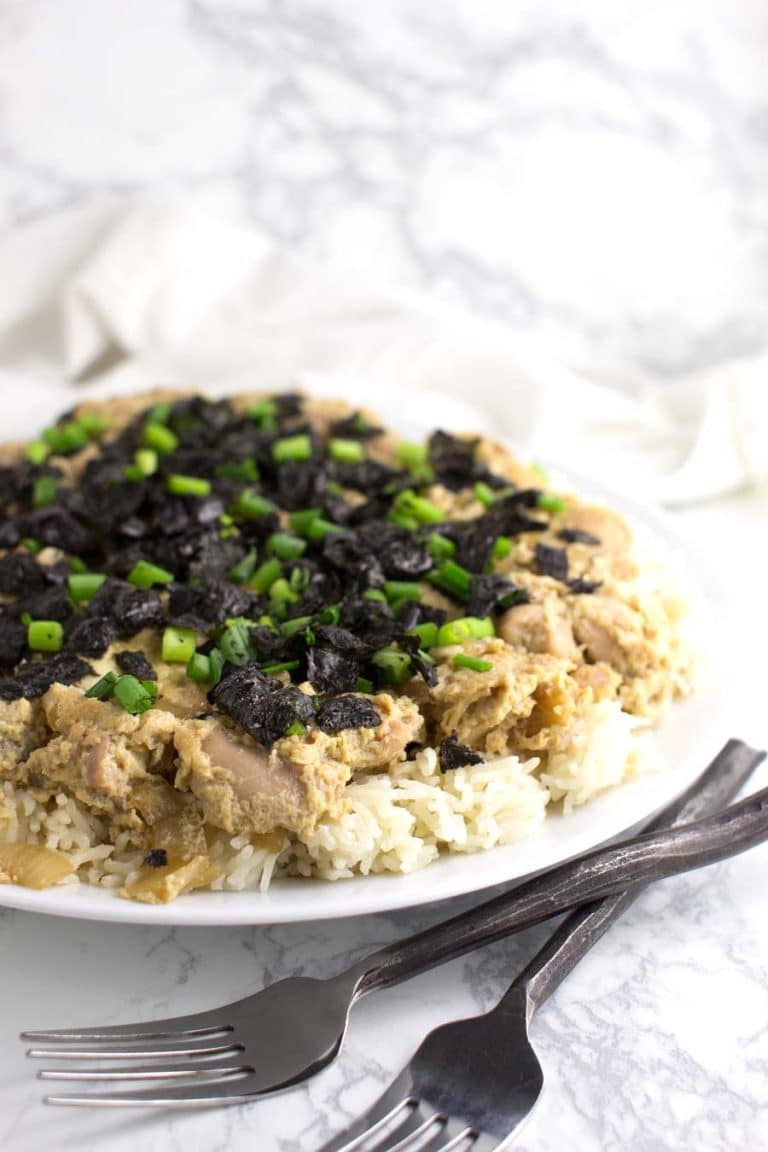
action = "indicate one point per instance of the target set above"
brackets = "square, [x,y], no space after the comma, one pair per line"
[265,636]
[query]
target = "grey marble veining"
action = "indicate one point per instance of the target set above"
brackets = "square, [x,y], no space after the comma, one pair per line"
[589,170]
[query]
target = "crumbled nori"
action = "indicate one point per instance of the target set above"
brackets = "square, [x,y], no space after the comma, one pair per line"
[156,858]
[20,574]
[50,604]
[354,427]
[92,635]
[205,605]
[140,608]
[579,585]
[578,536]
[329,670]
[453,755]
[342,712]
[260,704]
[135,664]
[36,677]
[13,639]
[493,592]
[552,561]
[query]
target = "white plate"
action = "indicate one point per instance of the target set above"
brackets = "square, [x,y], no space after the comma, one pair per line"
[688,737]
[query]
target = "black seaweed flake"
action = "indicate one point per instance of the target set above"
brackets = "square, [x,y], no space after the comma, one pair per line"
[579,585]
[13,639]
[355,427]
[156,858]
[552,562]
[343,712]
[329,670]
[92,635]
[493,593]
[35,678]
[452,755]
[578,536]
[260,704]
[135,664]
[20,574]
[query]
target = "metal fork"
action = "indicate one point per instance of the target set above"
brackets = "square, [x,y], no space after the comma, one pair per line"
[473,1083]
[295,1027]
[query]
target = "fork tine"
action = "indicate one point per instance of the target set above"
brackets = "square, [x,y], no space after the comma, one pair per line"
[144,1051]
[406,1135]
[383,1111]
[196,1024]
[198,1069]
[231,1090]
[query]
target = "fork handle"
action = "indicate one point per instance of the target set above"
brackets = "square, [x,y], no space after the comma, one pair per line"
[602,873]
[580,931]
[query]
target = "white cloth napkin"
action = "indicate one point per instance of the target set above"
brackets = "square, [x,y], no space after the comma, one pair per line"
[110,296]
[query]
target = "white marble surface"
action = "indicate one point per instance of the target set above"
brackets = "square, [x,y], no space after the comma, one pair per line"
[592,171]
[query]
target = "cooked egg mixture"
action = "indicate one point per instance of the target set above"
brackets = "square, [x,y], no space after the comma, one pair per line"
[264,629]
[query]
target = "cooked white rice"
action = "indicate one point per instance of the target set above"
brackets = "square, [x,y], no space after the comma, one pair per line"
[393,822]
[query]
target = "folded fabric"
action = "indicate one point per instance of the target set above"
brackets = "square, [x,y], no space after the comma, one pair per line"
[111,296]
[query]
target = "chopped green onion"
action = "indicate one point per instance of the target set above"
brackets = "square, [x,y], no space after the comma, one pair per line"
[93,424]
[395,516]
[26,619]
[537,470]
[188,485]
[235,641]
[418,507]
[555,505]
[103,688]
[502,547]
[281,590]
[37,451]
[243,570]
[243,472]
[264,414]
[45,491]
[63,439]
[298,447]
[319,528]
[279,666]
[160,414]
[412,456]
[460,660]
[301,521]
[296,729]
[265,576]
[465,628]
[84,585]
[77,565]
[364,685]
[45,635]
[333,488]
[160,438]
[299,579]
[297,624]
[178,645]
[346,451]
[451,578]
[146,461]
[440,547]
[374,594]
[285,546]
[427,634]
[199,668]
[402,590]
[216,661]
[31,544]
[331,614]
[135,695]
[252,504]
[394,665]
[145,575]
[484,493]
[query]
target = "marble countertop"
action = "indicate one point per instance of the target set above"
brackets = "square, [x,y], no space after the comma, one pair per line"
[580,170]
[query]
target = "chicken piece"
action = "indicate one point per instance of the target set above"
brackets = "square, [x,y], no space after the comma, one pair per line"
[22,729]
[541,626]
[611,530]
[243,786]
[524,703]
[614,633]
[98,751]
